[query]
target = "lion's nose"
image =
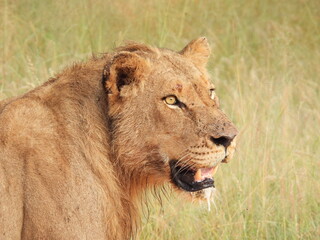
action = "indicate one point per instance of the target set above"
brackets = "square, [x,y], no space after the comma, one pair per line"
[222,140]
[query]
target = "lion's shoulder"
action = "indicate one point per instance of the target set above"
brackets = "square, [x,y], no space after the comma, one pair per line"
[24,119]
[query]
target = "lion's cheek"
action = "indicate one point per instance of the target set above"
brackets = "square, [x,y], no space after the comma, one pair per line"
[172,151]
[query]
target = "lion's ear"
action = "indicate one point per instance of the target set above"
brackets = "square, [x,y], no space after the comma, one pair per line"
[198,50]
[125,68]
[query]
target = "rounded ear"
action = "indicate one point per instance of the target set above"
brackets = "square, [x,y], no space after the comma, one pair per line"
[198,50]
[125,68]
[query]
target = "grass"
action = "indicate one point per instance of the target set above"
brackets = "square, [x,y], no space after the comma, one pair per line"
[266,66]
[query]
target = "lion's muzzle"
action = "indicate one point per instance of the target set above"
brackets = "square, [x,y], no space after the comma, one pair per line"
[195,172]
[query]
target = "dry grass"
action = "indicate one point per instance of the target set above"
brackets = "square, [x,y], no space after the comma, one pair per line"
[266,66]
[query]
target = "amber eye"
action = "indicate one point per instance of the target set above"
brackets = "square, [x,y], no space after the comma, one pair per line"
[171,100]
[212,93]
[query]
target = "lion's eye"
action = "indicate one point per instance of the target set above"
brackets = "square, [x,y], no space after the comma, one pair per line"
[171,100]
[212,94]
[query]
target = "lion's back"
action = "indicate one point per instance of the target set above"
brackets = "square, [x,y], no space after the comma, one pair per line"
[25,129]
[11,172]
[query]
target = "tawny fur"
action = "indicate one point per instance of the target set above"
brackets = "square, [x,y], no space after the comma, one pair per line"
[78,152]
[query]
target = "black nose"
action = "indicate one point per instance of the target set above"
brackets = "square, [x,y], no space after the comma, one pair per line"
[223,140]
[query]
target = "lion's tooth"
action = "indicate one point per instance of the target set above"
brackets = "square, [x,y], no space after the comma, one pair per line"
[198,176]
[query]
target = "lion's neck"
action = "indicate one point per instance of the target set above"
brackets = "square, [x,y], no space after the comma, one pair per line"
[93,124]
[124,186]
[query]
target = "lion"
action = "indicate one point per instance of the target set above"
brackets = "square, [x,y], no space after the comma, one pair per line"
[78,153]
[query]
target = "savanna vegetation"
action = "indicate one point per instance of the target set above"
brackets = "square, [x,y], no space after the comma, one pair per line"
[266,67]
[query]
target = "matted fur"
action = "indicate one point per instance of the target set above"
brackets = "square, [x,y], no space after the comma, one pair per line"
[78,152]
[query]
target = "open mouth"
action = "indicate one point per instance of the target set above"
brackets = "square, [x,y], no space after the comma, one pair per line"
[191,180]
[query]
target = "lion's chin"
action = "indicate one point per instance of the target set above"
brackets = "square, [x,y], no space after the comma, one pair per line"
[191,180]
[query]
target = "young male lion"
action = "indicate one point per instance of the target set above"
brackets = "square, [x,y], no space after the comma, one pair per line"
[77,153]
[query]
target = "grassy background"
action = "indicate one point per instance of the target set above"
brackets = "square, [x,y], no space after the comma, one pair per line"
[266,66]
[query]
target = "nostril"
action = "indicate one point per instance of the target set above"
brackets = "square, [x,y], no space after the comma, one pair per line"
[224,141]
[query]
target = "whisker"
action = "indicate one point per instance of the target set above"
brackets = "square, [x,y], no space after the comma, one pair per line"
[183,157]
[181,166]
[186,165]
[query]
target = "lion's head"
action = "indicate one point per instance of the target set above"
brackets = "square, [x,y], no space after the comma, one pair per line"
[165,116]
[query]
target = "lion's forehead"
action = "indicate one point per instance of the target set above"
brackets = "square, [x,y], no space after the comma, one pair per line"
[173,64]
[174,77]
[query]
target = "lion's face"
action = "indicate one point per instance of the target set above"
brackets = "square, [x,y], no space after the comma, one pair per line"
[166,116]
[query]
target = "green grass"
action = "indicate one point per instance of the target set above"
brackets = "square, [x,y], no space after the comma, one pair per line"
[266,66]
